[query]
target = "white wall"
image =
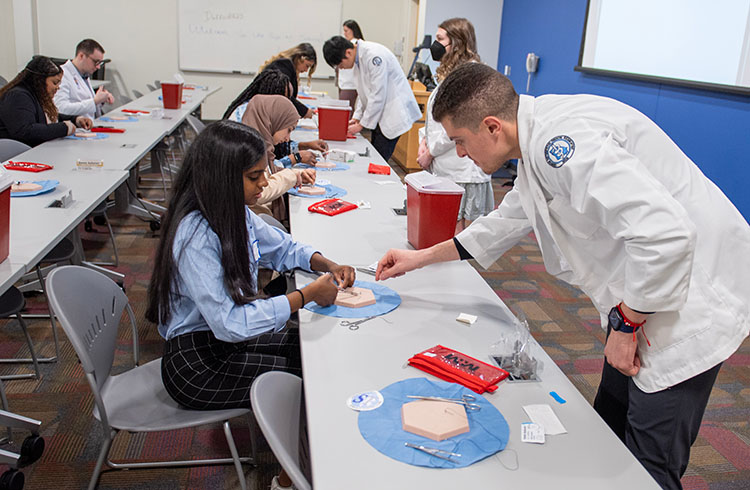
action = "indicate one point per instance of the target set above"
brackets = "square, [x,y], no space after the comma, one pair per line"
[486,15]
[8,68]
[140,36]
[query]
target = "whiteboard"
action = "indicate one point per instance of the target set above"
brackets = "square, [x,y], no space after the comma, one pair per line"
[237,36]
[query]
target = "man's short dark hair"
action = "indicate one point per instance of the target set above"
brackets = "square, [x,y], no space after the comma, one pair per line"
[472,92]
[334,50]
[88,46]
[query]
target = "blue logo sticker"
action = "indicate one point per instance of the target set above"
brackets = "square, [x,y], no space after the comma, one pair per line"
[559,150]
[377,61]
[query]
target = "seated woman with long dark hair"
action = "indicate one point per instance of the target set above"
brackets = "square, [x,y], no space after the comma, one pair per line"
[221,332]
[27,111]
[292,62]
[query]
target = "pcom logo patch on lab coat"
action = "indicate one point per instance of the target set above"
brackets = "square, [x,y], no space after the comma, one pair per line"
[559,150]
[377,61]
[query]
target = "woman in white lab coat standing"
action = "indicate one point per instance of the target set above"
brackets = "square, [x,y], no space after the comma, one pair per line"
[455,44]
[345,77]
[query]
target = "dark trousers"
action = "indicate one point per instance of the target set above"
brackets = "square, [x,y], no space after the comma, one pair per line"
[201,372]
[383,145]
[660,427]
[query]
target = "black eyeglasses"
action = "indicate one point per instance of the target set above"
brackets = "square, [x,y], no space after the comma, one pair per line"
[97,63]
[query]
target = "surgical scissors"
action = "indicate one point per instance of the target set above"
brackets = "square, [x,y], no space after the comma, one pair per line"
[466,400]
[355,325]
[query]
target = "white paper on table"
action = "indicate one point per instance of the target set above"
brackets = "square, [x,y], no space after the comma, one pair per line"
[544,415]
[384,182]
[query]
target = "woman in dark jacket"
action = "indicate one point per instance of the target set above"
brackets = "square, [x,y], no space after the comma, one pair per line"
[27,111]
[292,62]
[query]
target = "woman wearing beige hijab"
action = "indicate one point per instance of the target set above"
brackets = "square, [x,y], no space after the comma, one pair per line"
[274,116]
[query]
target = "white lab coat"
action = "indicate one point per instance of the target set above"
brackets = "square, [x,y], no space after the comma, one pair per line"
[384,96]
[75,95]
[346,78]
[631,218]
[446,162]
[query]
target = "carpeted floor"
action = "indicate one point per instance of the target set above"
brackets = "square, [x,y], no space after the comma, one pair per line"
[561,319]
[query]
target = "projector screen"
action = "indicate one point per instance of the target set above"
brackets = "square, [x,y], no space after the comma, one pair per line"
[699,43]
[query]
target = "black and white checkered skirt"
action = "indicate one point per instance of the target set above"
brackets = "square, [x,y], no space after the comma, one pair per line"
[203,373]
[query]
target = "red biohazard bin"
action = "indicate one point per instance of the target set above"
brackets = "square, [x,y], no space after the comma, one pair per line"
[171,94]
[431,209]
[333,122]
[5,183]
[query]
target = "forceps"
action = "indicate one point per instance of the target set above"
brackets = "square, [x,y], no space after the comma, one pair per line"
[355,325]
[433,451]
[465,400]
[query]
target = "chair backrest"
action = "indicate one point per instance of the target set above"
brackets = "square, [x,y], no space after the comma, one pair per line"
[138,94]
[195,123]
[275,397]
[157,83]
[11,148]
[150,87]
[3,82]
[89,306]
[270,220]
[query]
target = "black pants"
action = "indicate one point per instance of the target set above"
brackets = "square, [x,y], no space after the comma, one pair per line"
[660,427]
[203,373]
[383,145]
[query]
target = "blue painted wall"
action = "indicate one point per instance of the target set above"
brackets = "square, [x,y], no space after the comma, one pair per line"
[712,128]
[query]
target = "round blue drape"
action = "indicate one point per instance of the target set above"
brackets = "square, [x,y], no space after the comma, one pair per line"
[99,136]
[381,427]
[331,191]
[386,299]
[109,119]
[47,185]
[339,166]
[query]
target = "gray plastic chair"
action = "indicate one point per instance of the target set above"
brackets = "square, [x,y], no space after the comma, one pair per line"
[3,82]
[275,397]
[270,220]
[138,94]
[89,306]
[195,123]
[11,148]
[150,87]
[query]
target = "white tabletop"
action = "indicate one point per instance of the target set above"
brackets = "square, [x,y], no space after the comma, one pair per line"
[338,362]
[35,228]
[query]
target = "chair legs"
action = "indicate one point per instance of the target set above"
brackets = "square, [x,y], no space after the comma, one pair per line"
[51,314]
[235,455]
[103,453]
[236,460]
[34,360]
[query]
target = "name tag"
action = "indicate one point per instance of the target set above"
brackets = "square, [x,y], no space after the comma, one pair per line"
[256,250]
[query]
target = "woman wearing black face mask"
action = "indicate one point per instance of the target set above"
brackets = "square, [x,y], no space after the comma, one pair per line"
[455,44]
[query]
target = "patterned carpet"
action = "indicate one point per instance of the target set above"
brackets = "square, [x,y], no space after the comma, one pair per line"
[561,319]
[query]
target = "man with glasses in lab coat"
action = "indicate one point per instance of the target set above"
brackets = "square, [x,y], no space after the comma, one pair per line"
[76,96]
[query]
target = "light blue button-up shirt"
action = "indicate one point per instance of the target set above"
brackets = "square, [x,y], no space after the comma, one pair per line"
[203,302]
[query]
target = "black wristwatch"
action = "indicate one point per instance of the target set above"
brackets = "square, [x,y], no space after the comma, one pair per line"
[297,157]
[619,323]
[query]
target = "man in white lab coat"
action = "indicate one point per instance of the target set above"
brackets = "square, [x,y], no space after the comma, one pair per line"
[619,211]
[76,96]
[385,101]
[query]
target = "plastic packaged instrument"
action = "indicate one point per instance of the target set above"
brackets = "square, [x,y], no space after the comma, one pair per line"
[27,166]
[379,169]
[331,207]
[451,365]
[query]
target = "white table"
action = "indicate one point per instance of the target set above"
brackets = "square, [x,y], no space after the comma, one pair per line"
[338,362]
[36,228]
